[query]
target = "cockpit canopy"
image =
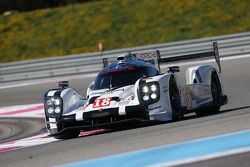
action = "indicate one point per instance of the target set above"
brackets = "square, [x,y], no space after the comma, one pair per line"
[115,78]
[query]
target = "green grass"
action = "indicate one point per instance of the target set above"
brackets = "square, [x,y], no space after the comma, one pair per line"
[118,24]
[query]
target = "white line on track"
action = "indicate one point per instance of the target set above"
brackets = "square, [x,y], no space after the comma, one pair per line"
[28,110]
[204,158]
[38,140]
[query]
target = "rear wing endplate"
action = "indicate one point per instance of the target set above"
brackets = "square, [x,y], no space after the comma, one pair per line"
[152,57]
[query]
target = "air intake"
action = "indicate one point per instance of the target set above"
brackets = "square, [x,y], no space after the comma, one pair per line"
[120,58]
[124,58]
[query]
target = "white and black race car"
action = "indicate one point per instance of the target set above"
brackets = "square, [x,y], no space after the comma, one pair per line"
[133,88]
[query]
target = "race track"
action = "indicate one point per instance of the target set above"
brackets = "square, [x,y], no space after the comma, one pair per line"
[17,128]
[235,116]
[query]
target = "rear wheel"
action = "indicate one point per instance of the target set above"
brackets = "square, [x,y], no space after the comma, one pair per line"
[216,92]
[175,100]
[216,95]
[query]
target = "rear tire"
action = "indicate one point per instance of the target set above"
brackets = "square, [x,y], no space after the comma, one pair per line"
[216,95]
[216,92]
[175,100]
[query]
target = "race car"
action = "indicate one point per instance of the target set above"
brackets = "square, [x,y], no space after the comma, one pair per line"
[132,88]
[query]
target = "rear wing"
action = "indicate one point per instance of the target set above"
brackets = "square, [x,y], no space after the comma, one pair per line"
[213,53]
[154,57]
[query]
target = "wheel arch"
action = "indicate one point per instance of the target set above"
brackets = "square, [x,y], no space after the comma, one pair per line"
[165,112]
[200,74]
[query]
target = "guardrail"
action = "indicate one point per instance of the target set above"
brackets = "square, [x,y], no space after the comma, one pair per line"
[235,44]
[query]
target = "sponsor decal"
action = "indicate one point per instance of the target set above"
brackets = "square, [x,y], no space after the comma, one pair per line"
[147,55]
[126,100]
[165,89]
[107,92]
[188,98]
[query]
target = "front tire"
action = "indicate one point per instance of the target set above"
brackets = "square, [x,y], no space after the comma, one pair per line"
[175,100]
[68,135]
[74,133]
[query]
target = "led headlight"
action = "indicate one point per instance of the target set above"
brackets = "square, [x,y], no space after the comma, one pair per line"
[153,96]
[57,110]
[53,106]
[49,102]
[57,102]
[149,92]
[145,98]
[145,89]
[153,88]
[50,110]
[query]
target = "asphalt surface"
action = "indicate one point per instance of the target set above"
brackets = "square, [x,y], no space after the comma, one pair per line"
[235,116]
[228,161]
[34,93]
[17,128]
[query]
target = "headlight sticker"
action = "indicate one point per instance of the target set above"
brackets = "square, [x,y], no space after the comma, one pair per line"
[126,100]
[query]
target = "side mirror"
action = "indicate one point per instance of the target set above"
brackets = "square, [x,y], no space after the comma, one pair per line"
[90,87]
[173,69]
[63,84]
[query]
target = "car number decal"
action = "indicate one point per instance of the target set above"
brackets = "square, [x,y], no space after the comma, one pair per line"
[102,102]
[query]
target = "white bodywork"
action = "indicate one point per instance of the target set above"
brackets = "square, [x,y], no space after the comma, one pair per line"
[194,94]
[161,110]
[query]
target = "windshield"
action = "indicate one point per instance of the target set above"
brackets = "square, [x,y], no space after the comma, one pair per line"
[117,78]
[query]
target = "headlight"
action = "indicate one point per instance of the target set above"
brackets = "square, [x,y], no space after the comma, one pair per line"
[153,88]
[149,93]
[145,89]
[57,102]
[145,98]
[50,110]
[57,110]
[153,96]
[49,102]
[53,106]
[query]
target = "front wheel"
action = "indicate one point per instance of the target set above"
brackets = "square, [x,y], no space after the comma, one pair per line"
[175,100]
[68,135]
[74,133]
